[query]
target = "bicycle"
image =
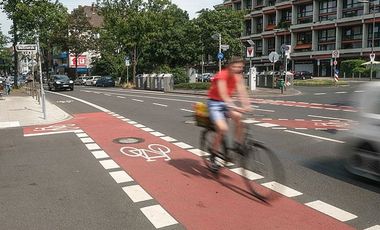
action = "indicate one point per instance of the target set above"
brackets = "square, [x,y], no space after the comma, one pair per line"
[256,162]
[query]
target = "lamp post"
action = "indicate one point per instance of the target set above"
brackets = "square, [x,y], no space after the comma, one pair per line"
[373,30]
[218,36]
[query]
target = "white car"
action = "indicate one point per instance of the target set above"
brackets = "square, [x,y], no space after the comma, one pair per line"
[91,81]
[362,149]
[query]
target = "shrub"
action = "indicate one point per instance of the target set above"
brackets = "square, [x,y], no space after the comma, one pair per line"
[353,66]
[193,86]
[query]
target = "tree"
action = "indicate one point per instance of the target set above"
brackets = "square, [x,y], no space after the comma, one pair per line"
[81,36]
[5,55]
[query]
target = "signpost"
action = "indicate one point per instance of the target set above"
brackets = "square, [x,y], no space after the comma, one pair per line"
[335,55]
[220,56]
[372,57]
[273,57]
[225,47]
[250,55]
[127,64]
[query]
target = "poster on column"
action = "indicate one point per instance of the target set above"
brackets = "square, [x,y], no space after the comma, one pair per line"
[82,61]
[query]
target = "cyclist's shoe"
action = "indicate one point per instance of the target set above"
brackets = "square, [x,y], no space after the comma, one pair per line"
[214,167]
[240,149]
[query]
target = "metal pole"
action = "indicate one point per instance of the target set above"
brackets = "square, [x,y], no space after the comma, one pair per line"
[41,82]
[220,50]
[373,39]
[127,76]
[273,76]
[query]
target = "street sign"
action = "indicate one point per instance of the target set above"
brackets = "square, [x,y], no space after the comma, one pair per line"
[372,56]
[250,52]
[318,62]
[31,48]
[285,47]
[274,57]
[127,62]
[220,56]
[225,47]
[335,62]
[335,54]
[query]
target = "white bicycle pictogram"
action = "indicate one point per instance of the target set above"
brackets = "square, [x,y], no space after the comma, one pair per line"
[153,152]
[64,127]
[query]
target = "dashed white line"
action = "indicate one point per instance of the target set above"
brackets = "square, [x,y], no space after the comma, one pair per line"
[359,91]
[301,128]
[100,154]
[199,152]
[317,137]
[187,110]
[247,174]
[120,117]
[332,211]
[250,121]
[340,92]
[137,193]
[333,109]
[87,140]
[140,126]
[162,105]
[147,129]
[82,135]
[121,97]
[317,94]
[158,216]
[121,177]
[266,110]
[126,119]
[157,134]
[279,128]
[168,139]
[137,100]
[334,118]
[267,125]
[299,119]
[92,146]
[376,227]
[132,122]
[183,145]
[284,190]
[109,164]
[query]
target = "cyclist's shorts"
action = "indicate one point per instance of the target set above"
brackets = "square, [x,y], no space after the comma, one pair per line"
[217,110]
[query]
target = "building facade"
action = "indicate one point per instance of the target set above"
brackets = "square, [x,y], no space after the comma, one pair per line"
[313,28]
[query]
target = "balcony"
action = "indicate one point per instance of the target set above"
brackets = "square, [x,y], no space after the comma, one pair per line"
[270,27]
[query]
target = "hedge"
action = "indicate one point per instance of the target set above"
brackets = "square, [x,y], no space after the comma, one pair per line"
[198,85]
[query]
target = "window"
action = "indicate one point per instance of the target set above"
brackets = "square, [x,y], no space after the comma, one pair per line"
[271,19]
[327,10]
[285,39]
[248,27]
[258,47]
[304,37]
[352,8]
[377,35]
[248,4]
[305,13]
[259,2]
[352,37]
[376,8]
[271,2]
[286,15]
[259,25]
[238,6]
[326,39]
[271,44]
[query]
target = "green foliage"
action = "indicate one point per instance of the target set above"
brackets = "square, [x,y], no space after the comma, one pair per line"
[317,82]
[179,73]
[5,55]
[193,86]
[354,66]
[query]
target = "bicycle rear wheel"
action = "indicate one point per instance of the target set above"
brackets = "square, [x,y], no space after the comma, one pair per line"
[206,145]
[260,163]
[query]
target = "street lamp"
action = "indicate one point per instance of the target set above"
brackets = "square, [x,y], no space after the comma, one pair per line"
[218,36]
[373,30]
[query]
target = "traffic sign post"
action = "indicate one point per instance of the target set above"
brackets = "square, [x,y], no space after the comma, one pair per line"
[273,57]
[220,56]
[372,57]
[127,64]
[250,55]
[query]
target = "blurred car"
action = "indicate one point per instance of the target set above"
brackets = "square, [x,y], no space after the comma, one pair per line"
[60,82]
[80,80]
[362,149]
[302,75]
[91,80]
[105,81]
[206,77]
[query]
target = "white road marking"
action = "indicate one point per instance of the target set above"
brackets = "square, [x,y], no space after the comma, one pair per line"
[187,110]
[266,110]
[301,128]
[147,129]
[83,101]
[314,107]
[132,122]
[317,137]
[158,216]
[199,152]
[137,100]
[183,145]
[301,106]
[279,128]
[87,140]
[137,193]
[333,109]
[157,134]
[9,124]
[299,119]
[92,146]
[51,133]
[282,189]
[120,117]
[121,97]
[267,125]
[250,121]
[106,94]
[100,154]
[168,139]
[376,227]
[126,119]
[223,162]
[330,210]
[162,105]
[121,177]
[140,126]
[109,164]
[340,92]
[82,135]
[247,174]
[317,94]
[334,118]
[267,119]
[359,91]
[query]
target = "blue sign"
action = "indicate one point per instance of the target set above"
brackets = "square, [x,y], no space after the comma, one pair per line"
[220,56]
[336,71]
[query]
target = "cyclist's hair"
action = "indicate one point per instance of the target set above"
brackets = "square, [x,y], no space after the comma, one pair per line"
[235,59]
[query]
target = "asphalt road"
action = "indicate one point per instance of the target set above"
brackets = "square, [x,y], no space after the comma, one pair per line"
[313,165]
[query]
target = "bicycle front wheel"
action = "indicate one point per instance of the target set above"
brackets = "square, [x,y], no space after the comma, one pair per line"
[259,163]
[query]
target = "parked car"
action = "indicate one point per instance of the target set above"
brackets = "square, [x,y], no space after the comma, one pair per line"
[92,80]
[80,80]
[206,77]
[302,75]
[105,81]
[362,149]
[60,82]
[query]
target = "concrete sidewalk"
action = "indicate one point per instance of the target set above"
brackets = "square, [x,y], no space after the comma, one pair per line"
[20,109]
[259,92]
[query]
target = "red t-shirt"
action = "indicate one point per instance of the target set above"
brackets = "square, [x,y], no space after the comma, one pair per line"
[231,82]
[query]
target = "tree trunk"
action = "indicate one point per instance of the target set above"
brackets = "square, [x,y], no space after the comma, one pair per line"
[134,64]
[15,41]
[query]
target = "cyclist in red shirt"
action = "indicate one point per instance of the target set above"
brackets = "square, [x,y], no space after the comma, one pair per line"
[221,105]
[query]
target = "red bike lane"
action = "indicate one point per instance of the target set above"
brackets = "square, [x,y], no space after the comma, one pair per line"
[188,191]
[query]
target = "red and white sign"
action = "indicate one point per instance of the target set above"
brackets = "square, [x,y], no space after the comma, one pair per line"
[82,61]
[250,52]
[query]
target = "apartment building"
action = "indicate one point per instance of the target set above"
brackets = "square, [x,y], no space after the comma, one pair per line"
[313,28]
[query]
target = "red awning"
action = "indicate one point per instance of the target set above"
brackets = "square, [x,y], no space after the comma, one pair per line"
[303,46]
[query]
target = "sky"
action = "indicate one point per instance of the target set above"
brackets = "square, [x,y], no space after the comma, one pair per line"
[191,6]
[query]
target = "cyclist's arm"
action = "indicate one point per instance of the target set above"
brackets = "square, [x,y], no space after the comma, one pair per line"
[222,89]
[242,91]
